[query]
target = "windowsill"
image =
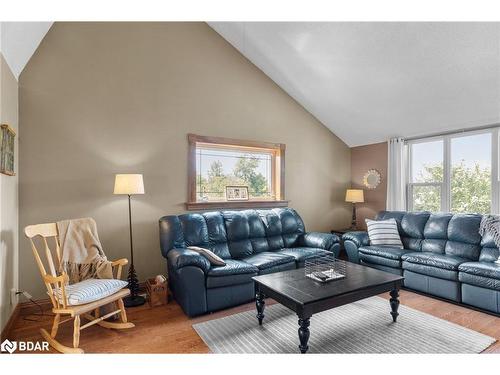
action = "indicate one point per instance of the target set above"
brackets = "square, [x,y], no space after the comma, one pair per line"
[194,206]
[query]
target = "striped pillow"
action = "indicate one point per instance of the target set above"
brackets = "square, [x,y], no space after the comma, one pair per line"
[91,290]
[384,232]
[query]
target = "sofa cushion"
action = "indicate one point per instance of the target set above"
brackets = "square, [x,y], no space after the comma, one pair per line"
[238,234]
[431,264]
[233,273]
[383,255]
[195,230]
[300,254]
[272,224]
[436,233]
[217,237]
[232,267]
[447,262]
[480,281]
[373,259]
[436,272]
[437,226]
[413,224]
[268,259]
[482,274]
[396,215]
[384,251]
[257,231]
[291,226]
[279,268]
[463,236]
[491,270]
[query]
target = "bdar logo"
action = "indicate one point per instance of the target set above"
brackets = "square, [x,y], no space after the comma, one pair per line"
[8,346]
[24,346]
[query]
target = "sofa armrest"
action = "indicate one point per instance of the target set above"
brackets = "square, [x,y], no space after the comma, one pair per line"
[179,258]
[359,238]
[352,242]
[324,241]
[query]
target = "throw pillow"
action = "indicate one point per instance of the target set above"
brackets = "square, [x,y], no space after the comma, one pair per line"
[211,256]
[384,232]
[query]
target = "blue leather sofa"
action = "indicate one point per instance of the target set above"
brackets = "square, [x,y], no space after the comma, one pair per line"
[443,255]
[251,242]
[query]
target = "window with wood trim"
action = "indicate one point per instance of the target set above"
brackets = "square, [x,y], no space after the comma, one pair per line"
[234,173]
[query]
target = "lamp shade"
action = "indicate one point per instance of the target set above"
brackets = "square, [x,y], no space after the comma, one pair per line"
[354,196]
[129,184]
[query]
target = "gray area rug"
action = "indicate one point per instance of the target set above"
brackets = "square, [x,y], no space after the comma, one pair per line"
[362,327]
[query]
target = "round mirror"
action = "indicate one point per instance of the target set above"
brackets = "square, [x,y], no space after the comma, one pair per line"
[371,179]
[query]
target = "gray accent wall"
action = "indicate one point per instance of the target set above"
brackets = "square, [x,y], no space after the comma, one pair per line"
[103,98]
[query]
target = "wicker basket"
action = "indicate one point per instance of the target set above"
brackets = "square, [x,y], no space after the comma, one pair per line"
[157,292]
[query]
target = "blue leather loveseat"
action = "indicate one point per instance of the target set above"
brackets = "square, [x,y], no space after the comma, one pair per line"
[443,255]
[251,242]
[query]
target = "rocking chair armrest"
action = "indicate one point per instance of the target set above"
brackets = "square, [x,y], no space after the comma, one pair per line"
[62,279]
[119,263]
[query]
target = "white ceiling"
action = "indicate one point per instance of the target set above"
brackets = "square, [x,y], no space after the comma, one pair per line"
[371,81]
[367,81]
[19,40]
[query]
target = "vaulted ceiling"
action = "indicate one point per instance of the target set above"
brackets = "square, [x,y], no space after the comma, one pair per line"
[365,81]
[19,40]
[371,81]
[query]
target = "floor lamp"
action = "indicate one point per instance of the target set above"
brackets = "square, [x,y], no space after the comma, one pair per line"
[131,184]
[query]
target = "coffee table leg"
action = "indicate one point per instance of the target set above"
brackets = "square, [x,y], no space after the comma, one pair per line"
[394,301]
[304,334]
[260,304]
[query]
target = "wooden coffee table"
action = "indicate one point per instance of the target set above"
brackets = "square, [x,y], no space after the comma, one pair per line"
[307,297]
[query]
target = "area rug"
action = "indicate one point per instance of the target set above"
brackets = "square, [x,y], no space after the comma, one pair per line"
[361,327]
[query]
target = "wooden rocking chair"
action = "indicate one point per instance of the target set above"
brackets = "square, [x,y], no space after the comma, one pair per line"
[56,287]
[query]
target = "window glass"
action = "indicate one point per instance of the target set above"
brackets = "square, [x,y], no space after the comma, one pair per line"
[427,161]
[426,198]
[471,173]
[218,167]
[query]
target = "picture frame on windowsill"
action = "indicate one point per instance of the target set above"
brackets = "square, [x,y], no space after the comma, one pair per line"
[236,193]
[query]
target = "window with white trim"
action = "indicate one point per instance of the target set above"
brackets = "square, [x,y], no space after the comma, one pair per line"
[454,173]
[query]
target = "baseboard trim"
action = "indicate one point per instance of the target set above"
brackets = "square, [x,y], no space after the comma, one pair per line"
[10,323]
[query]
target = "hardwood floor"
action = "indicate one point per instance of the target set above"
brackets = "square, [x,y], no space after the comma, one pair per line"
[166,329]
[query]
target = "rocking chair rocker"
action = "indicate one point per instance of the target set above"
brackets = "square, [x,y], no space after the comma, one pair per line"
[56,289]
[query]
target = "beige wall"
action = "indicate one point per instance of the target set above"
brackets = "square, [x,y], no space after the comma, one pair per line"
[9,250]
[364,158]
[103,98]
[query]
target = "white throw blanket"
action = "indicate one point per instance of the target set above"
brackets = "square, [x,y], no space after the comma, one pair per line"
[82,255]
[490,224]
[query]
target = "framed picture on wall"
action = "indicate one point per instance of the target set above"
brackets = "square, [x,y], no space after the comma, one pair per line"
[236,193]
[7,135]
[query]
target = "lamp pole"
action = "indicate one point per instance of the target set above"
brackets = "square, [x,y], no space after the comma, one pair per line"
[353,221]
[133,283]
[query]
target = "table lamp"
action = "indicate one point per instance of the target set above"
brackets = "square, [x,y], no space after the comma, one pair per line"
[354,196]
[130,184]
